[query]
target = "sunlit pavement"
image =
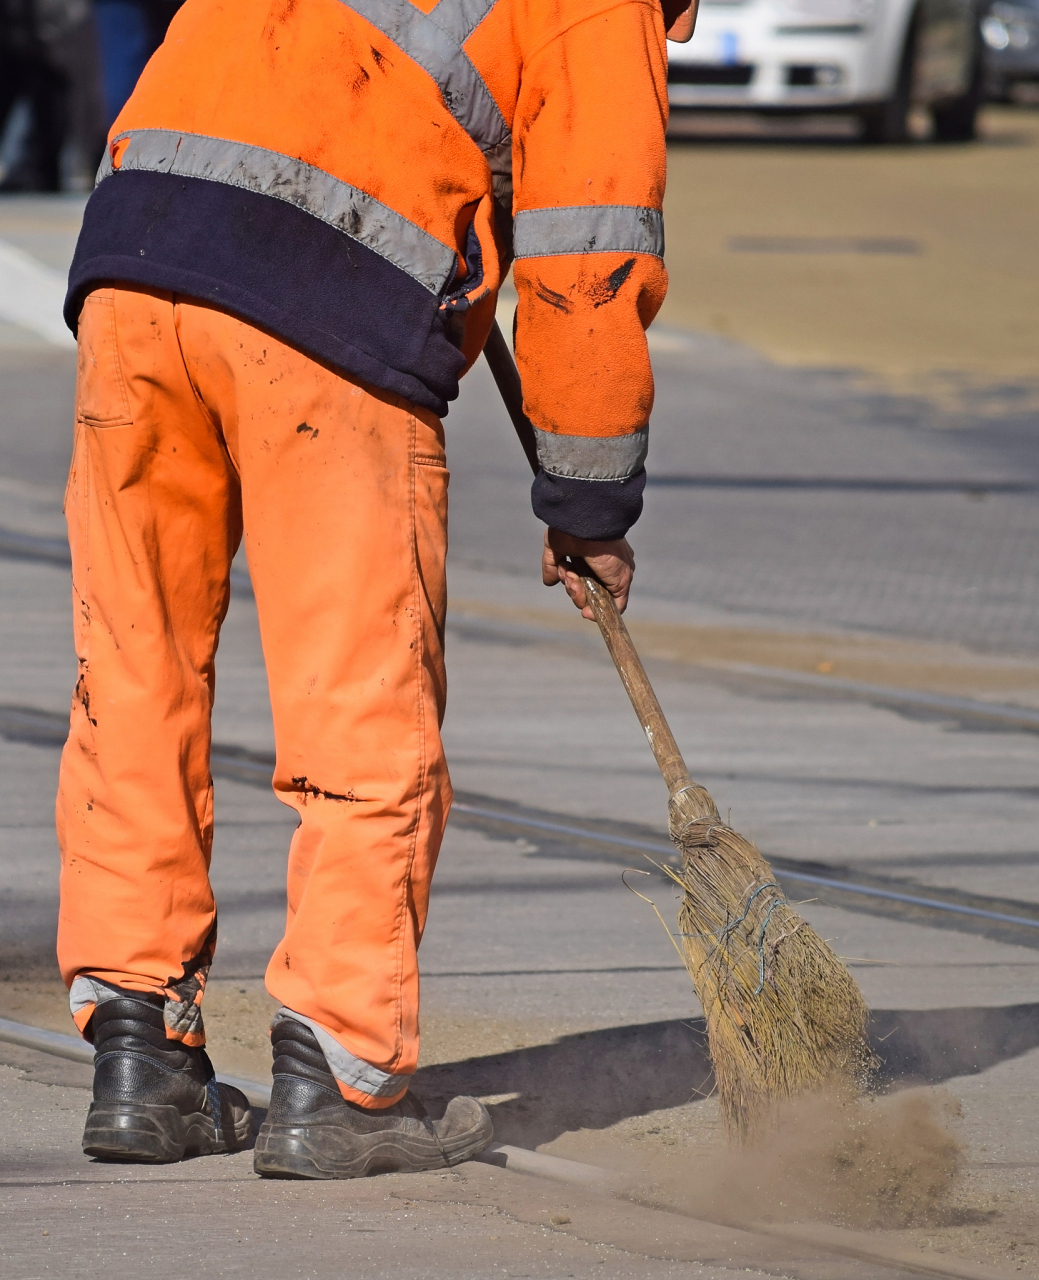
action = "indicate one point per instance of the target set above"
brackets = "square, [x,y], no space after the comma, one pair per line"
[915,266]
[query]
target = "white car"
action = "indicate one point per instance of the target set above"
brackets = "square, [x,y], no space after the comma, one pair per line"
[875,58]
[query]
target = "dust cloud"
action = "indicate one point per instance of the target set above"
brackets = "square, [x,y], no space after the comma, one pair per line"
[857,1162]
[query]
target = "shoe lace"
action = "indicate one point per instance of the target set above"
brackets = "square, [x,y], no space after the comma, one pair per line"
[422,1114]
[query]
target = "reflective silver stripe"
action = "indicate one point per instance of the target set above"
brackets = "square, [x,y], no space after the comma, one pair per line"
[85,991]
[592,457]
[435,43]
[355,1072]
[603,228]
[460,18]
[351,211]
[181,1016]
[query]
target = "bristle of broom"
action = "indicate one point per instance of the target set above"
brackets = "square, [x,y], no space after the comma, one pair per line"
[784,1015]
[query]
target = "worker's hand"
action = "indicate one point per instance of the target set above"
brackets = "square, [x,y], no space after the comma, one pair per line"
[679,19]
[613,563]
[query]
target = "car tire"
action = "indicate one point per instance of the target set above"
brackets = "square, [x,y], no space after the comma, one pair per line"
[957,120]
[888,121]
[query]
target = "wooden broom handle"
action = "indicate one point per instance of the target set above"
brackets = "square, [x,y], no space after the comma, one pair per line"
[498,355]
[611,624]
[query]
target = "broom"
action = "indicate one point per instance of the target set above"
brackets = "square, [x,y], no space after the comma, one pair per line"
[784,1015]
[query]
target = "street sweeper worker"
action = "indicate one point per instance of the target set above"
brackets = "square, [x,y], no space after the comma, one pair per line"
[293,253]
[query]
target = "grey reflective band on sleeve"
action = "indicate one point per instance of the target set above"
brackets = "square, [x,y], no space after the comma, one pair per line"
[434,41]
[603,228]
[354,1072]
[350,210]
[592,457]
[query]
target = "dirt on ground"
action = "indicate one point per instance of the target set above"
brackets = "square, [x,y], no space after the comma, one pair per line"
[897,1167]
[928,667]
[901,1166]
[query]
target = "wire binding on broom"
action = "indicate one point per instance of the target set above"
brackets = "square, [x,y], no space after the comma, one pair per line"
[778,902]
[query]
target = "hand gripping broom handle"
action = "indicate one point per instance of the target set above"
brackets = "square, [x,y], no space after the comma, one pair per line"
[611,624]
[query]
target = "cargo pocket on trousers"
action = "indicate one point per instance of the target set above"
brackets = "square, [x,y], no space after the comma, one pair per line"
[101,399]
[431,481]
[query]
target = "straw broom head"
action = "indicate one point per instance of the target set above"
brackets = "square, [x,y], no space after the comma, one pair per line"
[784,1015]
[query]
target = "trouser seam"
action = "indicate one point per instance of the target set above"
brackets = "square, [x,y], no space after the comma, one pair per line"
[421,725]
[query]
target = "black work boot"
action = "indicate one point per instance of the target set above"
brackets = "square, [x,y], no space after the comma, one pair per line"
[311,1131]
[156,1100]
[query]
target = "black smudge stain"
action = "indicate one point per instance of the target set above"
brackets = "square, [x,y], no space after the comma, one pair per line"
[554,299]
[303,783]
[603,291]
[82,695]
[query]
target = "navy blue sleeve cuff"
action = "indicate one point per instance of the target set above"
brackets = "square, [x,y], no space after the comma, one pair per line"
[594,509]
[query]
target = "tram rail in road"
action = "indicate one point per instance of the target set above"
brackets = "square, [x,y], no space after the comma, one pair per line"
[1007,920]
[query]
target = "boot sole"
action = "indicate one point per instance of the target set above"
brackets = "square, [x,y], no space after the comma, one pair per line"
[328,1151]
[144,1133]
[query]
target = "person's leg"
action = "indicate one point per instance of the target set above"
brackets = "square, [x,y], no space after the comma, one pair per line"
[345,501]
[154,518]
[74,53]
[153,511]
[127,39]
[344,494]
[37,166]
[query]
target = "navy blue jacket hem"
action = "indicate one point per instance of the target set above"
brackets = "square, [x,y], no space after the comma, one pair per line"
[327,347]
[275,266]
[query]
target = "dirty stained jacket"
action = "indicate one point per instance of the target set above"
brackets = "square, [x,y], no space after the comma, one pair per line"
[358,177]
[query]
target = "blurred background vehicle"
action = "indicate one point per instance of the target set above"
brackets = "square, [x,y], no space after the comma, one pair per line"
[1011,35]
[875,58]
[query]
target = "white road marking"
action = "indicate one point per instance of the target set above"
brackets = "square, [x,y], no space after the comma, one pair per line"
[31,295]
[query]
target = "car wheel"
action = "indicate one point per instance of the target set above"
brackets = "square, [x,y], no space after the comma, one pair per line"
[997,89]
[888,121]
[957,121]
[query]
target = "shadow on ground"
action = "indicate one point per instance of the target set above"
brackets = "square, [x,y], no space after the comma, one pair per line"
[584,1081]
[931,1045]
[596,1078]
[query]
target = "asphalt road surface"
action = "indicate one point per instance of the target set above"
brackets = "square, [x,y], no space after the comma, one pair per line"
[818,559]
[916,263]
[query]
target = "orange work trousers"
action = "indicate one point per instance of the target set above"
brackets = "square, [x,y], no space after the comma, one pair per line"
[192,426]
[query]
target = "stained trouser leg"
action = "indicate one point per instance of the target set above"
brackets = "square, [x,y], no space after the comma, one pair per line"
[344,493]
[153,509]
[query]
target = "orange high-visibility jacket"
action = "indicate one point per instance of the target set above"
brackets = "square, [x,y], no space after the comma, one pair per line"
[357,178]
